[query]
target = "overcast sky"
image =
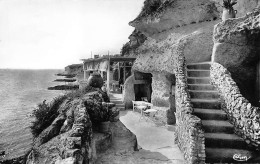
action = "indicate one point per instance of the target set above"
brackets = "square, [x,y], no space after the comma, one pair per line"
[44,34]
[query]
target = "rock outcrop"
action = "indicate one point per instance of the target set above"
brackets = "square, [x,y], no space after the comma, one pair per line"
[158,54]
[164,23]
[236,47]
[136,39]
[70,137]
[162,15]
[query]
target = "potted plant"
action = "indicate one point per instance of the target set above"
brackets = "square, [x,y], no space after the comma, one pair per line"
[228,10]
[95,80]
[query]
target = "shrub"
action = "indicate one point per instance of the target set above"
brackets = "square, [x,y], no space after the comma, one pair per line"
[150,6]
[125,50]
[44,114]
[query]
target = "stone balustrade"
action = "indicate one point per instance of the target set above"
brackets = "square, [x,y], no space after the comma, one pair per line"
[244,116]
[189,134]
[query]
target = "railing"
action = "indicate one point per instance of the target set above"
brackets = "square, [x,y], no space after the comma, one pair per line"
[189,134]
[244,116]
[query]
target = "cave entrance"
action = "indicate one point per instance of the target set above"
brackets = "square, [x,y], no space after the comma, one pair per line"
[143,86]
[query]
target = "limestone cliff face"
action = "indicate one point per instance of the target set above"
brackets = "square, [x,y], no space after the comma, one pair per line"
[157,54]
[165,22]
[191,21]
[74,69]
[168,24]
[237,48]
[158,16]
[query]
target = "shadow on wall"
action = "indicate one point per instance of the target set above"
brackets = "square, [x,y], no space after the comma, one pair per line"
[162,88]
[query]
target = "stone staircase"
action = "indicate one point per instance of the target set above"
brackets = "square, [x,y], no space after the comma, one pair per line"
[221,143]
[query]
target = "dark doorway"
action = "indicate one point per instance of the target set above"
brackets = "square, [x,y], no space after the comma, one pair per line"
[143,86]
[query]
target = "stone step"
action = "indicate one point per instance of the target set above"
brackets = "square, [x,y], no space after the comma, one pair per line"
[200,87]
[198,73]
[210,114]
[222,140]
[217,126]
[204,66]
[196,80]
[224,155]
[204,94]
[206,103]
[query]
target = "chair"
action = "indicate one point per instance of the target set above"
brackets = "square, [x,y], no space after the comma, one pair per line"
[138,104]
[144,107]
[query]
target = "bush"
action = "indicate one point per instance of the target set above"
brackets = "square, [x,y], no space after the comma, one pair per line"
[125,50]
[150,6]
[45,114]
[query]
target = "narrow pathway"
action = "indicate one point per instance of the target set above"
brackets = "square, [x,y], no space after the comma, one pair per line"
[153,138]
[155,142]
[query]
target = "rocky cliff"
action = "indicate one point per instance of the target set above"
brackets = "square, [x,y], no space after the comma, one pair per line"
[169,23]
[237,48]
[164,22]
[136,39]
[195,28]
[73,131]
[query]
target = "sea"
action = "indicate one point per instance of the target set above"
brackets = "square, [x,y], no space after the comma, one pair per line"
[20,92]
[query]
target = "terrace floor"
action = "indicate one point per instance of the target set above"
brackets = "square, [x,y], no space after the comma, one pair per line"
[155,140]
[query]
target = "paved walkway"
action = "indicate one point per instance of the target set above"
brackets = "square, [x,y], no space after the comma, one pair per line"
[152,137]
[155,141]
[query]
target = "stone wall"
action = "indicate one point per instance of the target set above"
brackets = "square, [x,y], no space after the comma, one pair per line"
[189,134]
[129,92]
[161,88]
[244,116]
[70,135]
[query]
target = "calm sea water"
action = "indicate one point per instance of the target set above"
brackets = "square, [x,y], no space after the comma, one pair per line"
[20,92]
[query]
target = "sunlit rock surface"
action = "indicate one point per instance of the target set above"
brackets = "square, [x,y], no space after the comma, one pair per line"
[237,48]
[158,52]
[162,15]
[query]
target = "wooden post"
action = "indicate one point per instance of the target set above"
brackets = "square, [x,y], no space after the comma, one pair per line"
[84,72]
[85,75]
[118,71]
[124,73]
[108,74]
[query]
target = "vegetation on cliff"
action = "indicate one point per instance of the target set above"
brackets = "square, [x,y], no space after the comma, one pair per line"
[44,114]
[66,125]
[136,40]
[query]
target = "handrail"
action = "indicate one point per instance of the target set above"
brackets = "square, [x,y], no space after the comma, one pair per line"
[244,116]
